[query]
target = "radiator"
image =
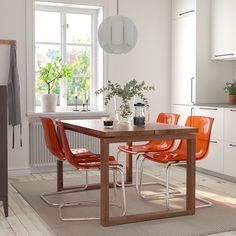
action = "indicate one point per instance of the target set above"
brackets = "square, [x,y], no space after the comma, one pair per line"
[41,157]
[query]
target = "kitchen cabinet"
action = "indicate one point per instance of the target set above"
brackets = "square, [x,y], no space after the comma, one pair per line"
[195,78]
[182,7]
[217,113]
[214,159]
[230,159]
[230,125]
[183,111]
[224,30]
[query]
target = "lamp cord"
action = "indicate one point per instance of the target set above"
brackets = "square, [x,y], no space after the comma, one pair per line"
[117,7]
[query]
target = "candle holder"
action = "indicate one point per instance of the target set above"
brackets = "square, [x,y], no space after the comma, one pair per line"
[76,104]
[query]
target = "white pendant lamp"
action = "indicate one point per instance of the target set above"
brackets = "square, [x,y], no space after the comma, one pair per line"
[117,34]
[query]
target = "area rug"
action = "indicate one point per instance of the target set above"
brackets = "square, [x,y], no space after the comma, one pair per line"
[218,218]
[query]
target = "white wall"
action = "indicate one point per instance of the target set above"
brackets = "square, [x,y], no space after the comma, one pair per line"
[12,26]
[149,61]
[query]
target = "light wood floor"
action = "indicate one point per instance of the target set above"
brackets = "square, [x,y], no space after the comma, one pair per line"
[24,221]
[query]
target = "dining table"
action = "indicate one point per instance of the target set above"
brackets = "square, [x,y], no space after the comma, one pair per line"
[129,133]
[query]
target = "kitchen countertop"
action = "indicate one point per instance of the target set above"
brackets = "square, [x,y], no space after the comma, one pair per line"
[223,105]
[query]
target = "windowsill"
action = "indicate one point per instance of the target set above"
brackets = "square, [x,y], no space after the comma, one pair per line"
[69,114]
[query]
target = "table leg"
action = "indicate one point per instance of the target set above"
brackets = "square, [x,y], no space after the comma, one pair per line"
[190,198]
[59,175]
[104,197]
[129,165]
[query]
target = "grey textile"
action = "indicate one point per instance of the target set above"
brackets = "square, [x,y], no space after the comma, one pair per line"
[14,92]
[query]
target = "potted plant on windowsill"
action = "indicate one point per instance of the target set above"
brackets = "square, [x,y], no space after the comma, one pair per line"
[49,74]
[230,88]
[126,94]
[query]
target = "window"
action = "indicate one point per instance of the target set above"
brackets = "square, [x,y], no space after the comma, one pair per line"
[68,32]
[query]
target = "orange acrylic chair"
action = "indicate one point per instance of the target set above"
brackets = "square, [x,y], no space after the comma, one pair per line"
[88,161]
[53,145]
[179,155]
[153,145]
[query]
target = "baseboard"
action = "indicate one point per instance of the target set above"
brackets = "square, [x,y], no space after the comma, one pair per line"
[19,171]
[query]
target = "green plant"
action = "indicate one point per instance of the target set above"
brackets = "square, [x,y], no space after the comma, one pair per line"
[230,88]
[126,93]
[54,71]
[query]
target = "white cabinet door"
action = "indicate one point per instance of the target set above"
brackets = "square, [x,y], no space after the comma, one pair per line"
[223,29]
[214,159]
[230,159]
[182,7]
[218,114]
[183,60]
[230,124]
[183,111]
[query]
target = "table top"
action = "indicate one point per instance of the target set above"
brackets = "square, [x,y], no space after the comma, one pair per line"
[97,129]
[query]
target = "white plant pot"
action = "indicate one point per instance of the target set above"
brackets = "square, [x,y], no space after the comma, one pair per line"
[49,102]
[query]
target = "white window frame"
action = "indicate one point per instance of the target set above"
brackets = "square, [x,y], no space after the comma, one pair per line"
[98,75]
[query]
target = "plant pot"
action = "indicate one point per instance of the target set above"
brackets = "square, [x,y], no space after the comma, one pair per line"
[232,99]
[49,102]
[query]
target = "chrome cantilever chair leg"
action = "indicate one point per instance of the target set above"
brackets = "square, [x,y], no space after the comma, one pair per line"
[44,196]
[167,194]
[139,184]
[91,203]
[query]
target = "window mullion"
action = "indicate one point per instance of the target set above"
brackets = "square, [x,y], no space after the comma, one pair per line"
[63,84]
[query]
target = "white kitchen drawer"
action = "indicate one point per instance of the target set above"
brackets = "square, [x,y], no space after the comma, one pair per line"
[182,8]
[214,159]
[230,124]
[218,114]
[230,159]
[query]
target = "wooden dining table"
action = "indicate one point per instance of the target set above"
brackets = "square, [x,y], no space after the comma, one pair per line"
[128,133]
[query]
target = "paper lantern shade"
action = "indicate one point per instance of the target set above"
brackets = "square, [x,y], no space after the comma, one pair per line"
[117,34]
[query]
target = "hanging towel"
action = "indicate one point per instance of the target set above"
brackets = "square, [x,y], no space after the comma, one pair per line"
[14,95]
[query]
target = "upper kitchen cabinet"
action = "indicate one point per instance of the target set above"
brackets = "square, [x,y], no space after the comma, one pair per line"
[182,7]
[195,77]
[224,29]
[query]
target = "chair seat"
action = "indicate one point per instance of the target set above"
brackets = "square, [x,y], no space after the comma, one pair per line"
[148,147]
[169,156]
[89,160]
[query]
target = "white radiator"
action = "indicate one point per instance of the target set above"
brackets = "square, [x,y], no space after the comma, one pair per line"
[41,157]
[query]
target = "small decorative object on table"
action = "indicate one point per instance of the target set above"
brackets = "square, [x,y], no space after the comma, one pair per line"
[139,115]
[108,124]
[126,93]
[231,89]
[76,103]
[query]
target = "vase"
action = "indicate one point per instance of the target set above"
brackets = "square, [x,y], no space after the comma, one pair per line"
[119,113]
[232,99]
[49,102]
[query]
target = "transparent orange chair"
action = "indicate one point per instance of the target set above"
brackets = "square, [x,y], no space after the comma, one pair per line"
[153,145]
[53,145]
[88,161]
[179,155]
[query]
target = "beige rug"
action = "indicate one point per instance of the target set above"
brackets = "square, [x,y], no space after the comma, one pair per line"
[216,219]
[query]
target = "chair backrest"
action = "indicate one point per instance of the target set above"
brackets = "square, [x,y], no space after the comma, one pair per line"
[51,138]
[204,125]
[66,148]
[166,118]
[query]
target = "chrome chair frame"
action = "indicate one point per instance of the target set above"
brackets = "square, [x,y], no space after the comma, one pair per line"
[44,196]
[90,203]
[167,194]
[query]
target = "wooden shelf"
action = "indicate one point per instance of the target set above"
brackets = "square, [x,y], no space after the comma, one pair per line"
[7,42]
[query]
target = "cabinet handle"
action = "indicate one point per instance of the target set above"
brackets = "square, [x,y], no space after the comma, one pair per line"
[192,100]
[210,109]
[186,12]
[232,110]
[223,55]
[232,145]
[213,141]
[192,108]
